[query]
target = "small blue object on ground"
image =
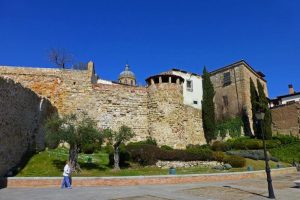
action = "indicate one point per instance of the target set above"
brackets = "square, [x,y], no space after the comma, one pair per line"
[172,171]
[250,168]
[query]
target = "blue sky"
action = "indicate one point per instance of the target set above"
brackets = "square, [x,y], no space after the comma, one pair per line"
[156,35]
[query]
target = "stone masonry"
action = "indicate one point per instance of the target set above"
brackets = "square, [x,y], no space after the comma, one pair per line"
[231,98]
[286,119]
[157,111]
[21,115]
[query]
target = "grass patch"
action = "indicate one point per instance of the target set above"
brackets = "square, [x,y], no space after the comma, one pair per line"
[51,162]
[287,153]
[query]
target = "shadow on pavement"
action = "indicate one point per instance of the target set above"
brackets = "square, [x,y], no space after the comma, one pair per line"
[257,194]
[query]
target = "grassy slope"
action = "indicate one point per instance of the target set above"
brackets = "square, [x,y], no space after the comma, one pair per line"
[287,153]
[51,163]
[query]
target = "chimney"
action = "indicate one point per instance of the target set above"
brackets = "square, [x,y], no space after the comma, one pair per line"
[291,89]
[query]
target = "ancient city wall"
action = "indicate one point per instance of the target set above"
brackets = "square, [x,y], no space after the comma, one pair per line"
[286,119]
[21,115]
[170,121]
[113,106]
[156,112]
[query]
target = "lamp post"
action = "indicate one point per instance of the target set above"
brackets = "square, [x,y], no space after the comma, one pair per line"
[260,117]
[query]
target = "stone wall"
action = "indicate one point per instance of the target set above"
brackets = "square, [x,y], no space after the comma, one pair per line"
[286,119]
[21,115]
[170,121]
[72,91]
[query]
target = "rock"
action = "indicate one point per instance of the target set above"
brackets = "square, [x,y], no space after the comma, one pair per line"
[227,166]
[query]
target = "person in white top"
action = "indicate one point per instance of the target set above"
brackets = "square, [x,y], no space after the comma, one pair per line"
[67,172]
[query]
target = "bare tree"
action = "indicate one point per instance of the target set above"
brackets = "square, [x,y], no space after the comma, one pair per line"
[60,57]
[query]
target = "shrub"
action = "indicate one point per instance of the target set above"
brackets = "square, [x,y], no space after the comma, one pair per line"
[252,154]
[143,154]
[270,144]
[166,147]
[88,148]
[148,141]
[220,146]
[244,143]
[91,148]
[108,149]
[204,146]
[235,161]
[286,139]
[202,153]
[146,154]
[218,156]
[233,126]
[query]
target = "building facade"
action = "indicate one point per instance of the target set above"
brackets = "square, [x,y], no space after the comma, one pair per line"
[192,87]
[232,90]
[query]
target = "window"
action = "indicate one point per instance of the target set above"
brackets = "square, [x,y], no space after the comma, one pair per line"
[189,85]
[225,100]
[131,82]
[226,79]
[195,102]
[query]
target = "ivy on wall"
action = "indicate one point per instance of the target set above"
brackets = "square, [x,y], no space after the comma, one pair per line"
[233,126]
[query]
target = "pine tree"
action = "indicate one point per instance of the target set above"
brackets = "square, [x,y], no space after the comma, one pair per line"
[208,107]
[254,105]
[263,105]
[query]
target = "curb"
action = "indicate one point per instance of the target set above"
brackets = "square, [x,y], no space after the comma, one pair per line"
[41,182]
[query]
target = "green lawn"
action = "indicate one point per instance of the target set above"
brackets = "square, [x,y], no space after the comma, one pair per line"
[287,153]
[51,163]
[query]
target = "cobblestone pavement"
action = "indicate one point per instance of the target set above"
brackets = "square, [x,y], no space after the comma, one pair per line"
[228,190]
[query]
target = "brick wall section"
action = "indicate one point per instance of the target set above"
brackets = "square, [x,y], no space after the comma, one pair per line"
[16,182]
[286,119]
[72,91]
[21,115]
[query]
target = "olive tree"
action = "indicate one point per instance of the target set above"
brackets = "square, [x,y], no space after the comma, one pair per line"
[116,138]
[76,131]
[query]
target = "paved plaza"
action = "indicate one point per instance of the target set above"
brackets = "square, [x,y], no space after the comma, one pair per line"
[227,190]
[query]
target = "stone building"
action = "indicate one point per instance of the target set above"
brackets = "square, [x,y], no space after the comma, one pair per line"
[232,89]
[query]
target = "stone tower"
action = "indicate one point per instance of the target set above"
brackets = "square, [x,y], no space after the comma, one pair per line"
[127,77]
[170,121]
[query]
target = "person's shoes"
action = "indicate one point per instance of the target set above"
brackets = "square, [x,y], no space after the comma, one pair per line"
[69,187]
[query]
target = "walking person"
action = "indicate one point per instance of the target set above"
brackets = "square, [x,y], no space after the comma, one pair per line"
[66,174]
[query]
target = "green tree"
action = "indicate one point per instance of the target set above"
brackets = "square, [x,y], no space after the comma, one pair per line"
[208,107]
[254,105]
[116,138]
[263,106]
[76,131]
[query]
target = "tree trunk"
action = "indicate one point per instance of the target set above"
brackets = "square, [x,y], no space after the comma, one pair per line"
[73,158]
[116,157]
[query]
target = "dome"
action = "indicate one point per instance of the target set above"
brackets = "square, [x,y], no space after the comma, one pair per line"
[127,73]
